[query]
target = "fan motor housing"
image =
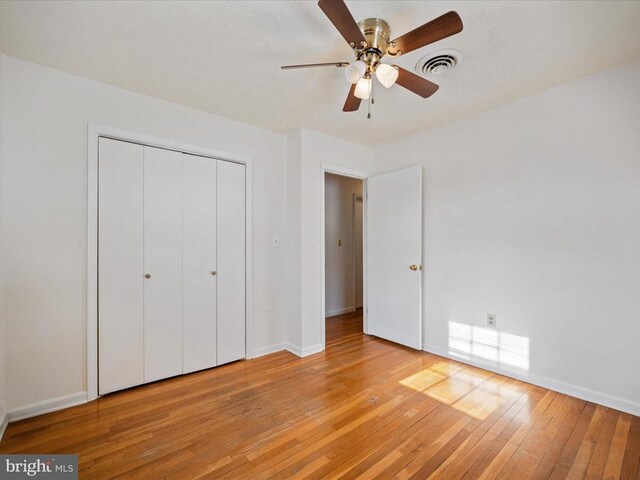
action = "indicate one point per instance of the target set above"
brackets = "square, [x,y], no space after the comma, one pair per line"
[376,33]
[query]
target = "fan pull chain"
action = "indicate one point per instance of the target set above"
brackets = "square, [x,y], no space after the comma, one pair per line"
[371,100]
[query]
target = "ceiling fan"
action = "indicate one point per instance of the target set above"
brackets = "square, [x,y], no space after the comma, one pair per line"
[371,41]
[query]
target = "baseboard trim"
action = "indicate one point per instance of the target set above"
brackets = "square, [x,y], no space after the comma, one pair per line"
[46,406]
[339,311]
[293,349]
[582,393]
[261,352]
[304,352]
[313,349]
[3,425]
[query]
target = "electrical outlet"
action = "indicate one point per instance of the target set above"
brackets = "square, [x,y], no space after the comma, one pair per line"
[491,320]
[339,242]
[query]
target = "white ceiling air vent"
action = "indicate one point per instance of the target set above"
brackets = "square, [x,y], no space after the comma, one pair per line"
[438,63]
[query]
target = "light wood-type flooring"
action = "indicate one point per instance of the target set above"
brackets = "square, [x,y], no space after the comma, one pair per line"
[364,408]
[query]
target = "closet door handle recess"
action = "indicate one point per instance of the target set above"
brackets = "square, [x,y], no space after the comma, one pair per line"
[147,275]
[214,273]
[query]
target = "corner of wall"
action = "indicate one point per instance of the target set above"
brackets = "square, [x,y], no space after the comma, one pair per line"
[3,413]
[293,266]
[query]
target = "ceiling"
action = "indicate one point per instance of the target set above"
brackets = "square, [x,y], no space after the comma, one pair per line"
[224,57]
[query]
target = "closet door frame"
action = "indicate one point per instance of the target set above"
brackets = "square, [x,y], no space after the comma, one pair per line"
[95,131]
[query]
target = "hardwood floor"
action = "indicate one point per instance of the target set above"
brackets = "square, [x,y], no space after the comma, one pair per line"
[363,408]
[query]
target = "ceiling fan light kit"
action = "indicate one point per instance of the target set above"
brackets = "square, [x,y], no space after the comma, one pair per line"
[386,75]
[363,87]
[371,41]
[355,71]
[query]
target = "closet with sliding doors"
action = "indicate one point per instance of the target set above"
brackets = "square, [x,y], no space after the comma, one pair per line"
[171,263]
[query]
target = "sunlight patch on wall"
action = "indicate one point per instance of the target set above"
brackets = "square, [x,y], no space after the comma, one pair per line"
[470,341]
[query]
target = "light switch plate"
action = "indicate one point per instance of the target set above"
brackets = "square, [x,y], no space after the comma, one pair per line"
[339,242]
[275,241]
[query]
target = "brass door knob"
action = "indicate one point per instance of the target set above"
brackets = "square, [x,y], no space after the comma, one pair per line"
[214,273]
[413,267]
[147,275]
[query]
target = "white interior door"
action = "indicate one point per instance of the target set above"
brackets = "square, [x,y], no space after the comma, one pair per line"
[394,256]
[120,265]
[199,263]
[231,262]
[162,263]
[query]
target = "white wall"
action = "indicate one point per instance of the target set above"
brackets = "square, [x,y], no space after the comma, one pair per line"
[532,212]
[45,116]
[340,275]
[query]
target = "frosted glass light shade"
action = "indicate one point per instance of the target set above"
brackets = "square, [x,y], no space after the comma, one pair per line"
[386,74]
[363,88]
[355,71]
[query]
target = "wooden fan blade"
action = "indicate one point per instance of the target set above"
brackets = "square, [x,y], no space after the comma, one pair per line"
[340,16]
[310,65]
[352,103]
[415,83]
[437,29]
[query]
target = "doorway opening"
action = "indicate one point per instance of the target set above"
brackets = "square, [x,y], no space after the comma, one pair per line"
[344,255]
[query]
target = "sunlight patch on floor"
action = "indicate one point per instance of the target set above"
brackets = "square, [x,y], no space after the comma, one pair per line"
[472,391]
[422,380]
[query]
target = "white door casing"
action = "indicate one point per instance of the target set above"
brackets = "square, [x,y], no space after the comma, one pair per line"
[358,255]
[394,245]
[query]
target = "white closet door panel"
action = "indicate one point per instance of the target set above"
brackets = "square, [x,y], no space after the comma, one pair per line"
[231,262]
[199,263]
[120,265]
[163,263]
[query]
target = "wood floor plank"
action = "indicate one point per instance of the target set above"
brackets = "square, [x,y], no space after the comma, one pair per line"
[526,458]
[583,457]
[603,445]
[472,426]
[556,444]
[489,448]
[613,467]
[363,408]
[457,464]
[426,417]
[631,461]
[570,450]
[503,457]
